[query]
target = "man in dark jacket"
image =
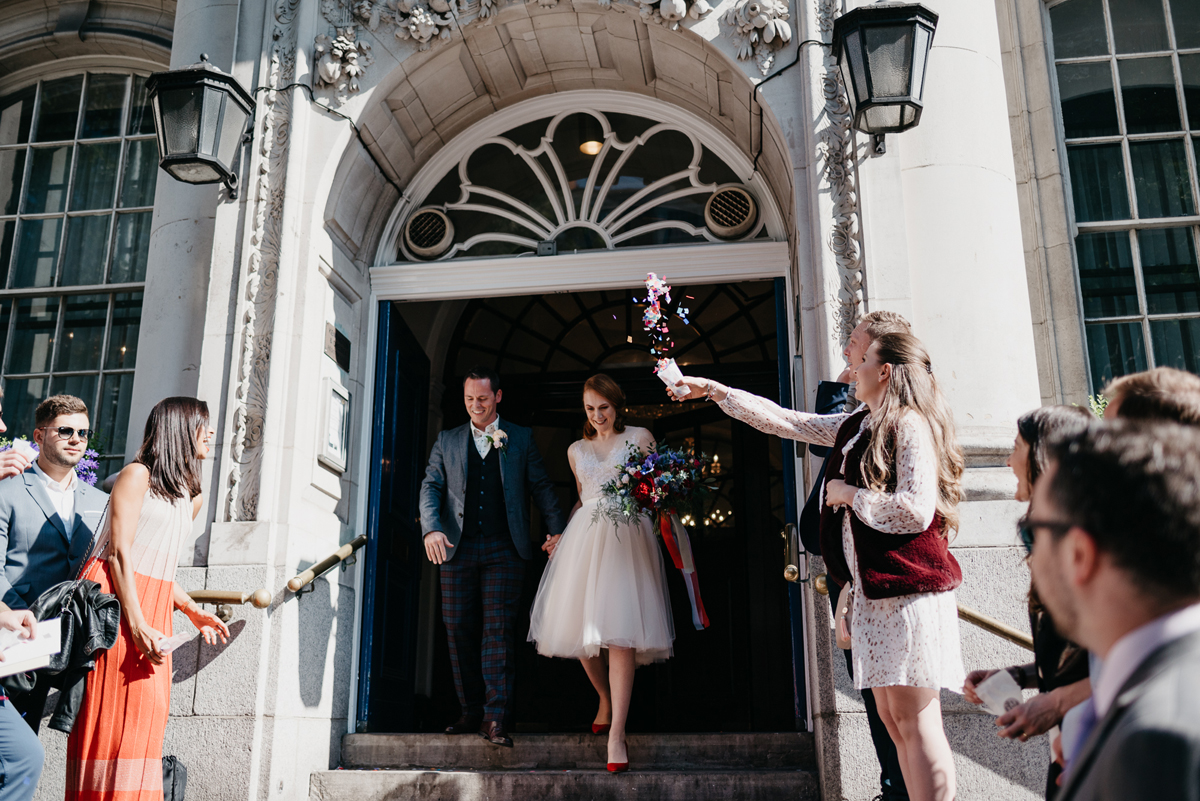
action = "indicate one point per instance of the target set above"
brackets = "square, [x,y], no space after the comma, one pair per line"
[475,524]
[1115,527]
[833,398]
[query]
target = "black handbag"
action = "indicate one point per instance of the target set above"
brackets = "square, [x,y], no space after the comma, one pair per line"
[174,779]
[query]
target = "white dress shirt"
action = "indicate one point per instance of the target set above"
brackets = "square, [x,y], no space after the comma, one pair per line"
[482,444]
[62,495]
[1127,655]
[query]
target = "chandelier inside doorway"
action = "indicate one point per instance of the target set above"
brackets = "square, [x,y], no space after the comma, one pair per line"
[582,180]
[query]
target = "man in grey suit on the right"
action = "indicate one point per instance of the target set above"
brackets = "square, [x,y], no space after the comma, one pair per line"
[1115,520]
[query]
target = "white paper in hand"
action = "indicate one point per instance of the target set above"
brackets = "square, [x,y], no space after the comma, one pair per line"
[22,655]
[23,447]
[671,375]
[999,692]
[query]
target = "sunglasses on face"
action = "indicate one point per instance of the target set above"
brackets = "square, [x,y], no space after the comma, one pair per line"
[66,432]
[1026,527]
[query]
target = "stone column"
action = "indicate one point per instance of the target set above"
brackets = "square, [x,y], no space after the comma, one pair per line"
[970,294]
[192,229]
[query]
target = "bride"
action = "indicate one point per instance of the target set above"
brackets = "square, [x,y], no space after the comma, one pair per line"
[603,598]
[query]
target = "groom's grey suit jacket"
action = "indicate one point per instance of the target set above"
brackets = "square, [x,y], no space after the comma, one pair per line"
[35,550]
[521,470]
[1147,748]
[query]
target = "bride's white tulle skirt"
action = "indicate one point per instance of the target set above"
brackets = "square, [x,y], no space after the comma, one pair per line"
[605,586]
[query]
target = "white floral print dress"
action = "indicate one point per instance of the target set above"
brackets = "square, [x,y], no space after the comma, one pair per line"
[910,640]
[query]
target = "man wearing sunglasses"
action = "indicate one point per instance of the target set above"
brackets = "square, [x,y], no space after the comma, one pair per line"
[1114,527]
[47,519]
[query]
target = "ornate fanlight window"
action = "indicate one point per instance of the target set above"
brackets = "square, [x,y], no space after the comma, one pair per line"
[582,180]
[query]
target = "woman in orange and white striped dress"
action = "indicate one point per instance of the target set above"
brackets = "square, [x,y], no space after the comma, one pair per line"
[115,749]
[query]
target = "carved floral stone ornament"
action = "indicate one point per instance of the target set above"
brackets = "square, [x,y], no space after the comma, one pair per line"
[422,22]
[341,60]
[760,28]
[672,12]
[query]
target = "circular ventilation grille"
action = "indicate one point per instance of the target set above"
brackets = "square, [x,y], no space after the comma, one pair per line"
[428,233]
[730,212]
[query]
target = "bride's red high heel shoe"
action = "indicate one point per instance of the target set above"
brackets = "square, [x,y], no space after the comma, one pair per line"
[601,728]
[619,767]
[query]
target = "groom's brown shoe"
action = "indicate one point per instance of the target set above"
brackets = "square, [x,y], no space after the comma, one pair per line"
[464,725]
[493,731]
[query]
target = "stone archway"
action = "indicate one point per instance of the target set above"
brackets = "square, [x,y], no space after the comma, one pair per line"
[524,52]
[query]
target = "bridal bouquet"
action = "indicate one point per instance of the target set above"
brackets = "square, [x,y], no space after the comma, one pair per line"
[663,484]
[663,481]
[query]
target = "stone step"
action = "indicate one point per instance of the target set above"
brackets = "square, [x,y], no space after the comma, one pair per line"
[777,751]
[567,785]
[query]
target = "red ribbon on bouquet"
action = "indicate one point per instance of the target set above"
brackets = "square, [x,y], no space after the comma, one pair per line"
[680,547]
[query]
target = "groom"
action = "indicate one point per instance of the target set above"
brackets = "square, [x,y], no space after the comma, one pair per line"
[475,521]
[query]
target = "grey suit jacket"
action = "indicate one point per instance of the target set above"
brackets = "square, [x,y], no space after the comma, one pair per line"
[1147,748]
[521,471]
[35,551]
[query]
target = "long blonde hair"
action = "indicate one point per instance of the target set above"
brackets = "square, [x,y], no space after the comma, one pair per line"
[913,386]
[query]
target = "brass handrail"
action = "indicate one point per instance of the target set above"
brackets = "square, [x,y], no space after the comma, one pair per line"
[995,627]
[988,624]
[303,579]
[259,599]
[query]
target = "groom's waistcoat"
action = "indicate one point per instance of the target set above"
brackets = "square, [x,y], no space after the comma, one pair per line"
[484,513]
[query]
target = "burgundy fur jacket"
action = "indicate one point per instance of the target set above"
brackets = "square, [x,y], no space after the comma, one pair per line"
[890,564]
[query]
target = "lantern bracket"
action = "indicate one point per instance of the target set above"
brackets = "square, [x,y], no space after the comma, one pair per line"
[878,145]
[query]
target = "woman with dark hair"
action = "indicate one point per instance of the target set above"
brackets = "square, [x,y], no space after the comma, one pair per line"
[1059,670]
[889,505]
[115,749]
[603,598]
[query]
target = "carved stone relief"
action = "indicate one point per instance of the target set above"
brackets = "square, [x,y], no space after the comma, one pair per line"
[672,12]
[341,60]
[835,148]
[760,28]
[422,21]
[260,275]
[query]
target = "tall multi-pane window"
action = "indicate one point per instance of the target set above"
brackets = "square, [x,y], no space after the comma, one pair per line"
[78,163]
[1129,86]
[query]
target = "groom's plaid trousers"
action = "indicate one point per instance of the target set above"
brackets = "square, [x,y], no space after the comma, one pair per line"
[481,596]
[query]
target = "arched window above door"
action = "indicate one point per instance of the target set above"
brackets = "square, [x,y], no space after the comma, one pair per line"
[582,180]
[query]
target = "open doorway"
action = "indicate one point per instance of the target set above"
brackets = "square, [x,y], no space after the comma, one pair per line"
[737,675]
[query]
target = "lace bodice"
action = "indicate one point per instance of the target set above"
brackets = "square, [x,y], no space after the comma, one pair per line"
[593,469]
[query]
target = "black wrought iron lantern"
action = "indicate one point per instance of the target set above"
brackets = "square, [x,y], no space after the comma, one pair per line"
[202,116]
[882,50]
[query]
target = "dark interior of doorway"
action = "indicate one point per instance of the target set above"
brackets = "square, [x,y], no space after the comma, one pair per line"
[735,676]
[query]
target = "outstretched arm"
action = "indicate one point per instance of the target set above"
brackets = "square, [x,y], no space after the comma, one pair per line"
[766,416]
[831,399]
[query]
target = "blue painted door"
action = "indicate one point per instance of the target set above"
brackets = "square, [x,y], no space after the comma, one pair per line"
[791,509]
[387,661]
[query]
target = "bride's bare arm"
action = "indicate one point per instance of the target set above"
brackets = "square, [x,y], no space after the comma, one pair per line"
[552,541]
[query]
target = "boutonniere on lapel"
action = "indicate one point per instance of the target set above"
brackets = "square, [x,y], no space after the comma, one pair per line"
[499,440]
